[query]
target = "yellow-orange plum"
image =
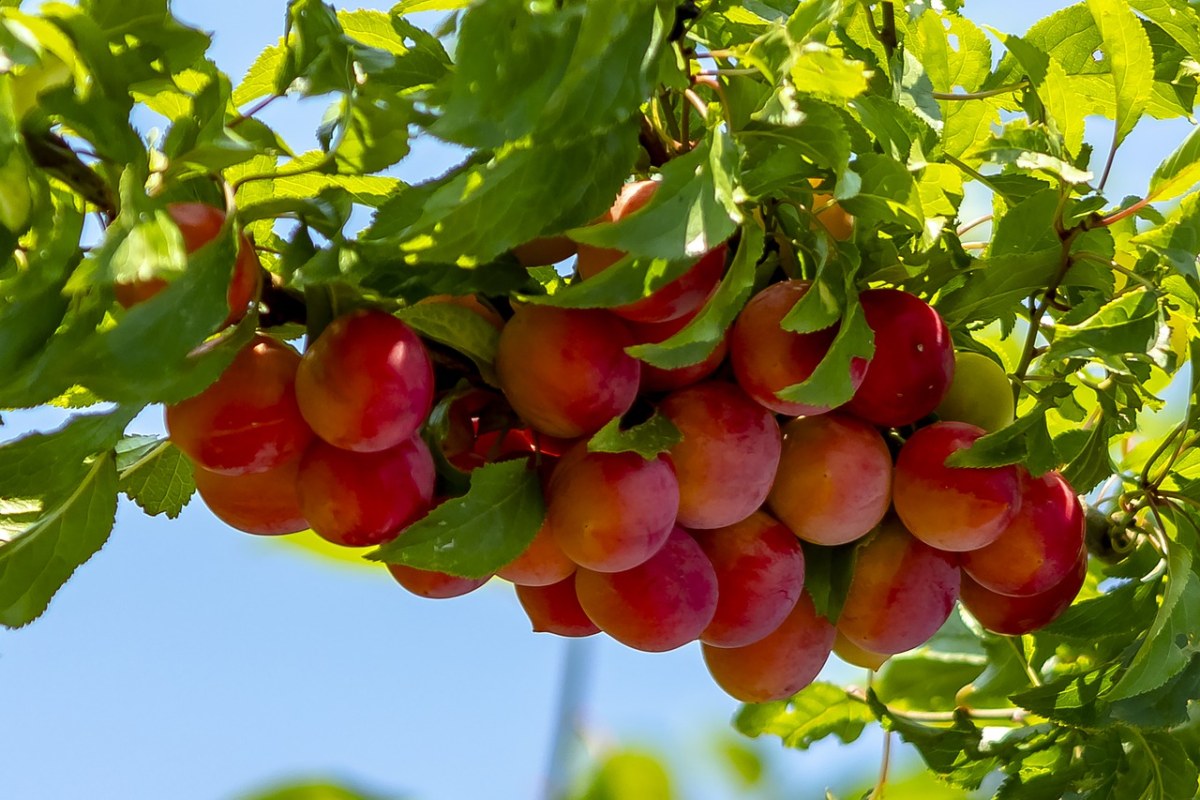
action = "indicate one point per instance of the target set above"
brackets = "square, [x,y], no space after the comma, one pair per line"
[778,665]
[901,592]
[952,508]
[834,482]
[565,371]
[728,454]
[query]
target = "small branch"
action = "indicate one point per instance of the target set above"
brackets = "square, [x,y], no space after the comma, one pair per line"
[52,153]
[250,112]
[975,223]
[1108,164]
[884,763]
[888,34]
[1013,87]
[1039,310]
[722,96]
[1001,714]
[283,306]
[712,73]
[1125,212]
[874,28]
[697,103]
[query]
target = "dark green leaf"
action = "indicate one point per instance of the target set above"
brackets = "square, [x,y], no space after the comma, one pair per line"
[459,327]
[474,535]
[696,341]
[827,575]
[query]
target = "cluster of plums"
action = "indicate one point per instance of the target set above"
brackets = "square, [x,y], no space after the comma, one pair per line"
[702,542]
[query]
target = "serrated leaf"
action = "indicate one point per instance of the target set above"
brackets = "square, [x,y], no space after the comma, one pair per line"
[1177,241]
[1178,172]
[474,535]
[1048,79]
[887,193]
[154,474]
[697,340]
[1025,441]
[817,712]
[685,217]
[1128,324]
[954,753]
[1130,59]
[557,74]
[830,384]
[259,80]
[648,439]
[460,328]
[59,495]
[414,6]
[476,213]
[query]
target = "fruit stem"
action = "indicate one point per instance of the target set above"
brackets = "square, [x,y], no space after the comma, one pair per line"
[884,764]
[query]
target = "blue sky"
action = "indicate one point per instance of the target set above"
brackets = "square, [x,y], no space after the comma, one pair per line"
[191,662]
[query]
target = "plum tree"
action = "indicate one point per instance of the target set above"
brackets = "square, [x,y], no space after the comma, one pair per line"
[366,383]
[760,574]
[659,605]
[913,363]
[834,482]
[901,592]
[780,664]
[247,420]
[565,371]
[199,224]
[728,454]
[952,508]
[979,393]
[766,358]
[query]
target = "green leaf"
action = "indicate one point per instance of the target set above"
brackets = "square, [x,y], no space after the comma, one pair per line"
[1130,59]
[474,535]
[476,213]
[830,384]
[59,501]
[557,74]
[1177,240]
[259,80]
[154,474]
[460,328]
[697,340]
[686,216]
[827,73]
[1128,324]
[1170,644]
[827,575]
[1048,79]
[953,753]
[1032,147]
[819,711]
[414,6]
[626,281]
[648,439]
[1026,441]
[1178,172]
[887,193]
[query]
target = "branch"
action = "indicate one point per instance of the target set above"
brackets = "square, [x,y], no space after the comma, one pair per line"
[52,153]
[652,143]
[1015,87]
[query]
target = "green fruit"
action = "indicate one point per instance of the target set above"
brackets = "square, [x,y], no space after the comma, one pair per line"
[979,394]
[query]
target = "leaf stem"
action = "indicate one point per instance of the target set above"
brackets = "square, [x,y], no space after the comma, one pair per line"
[884,764]
[1034,678]
[1014,87]
[1108,164]
[1039,310]
[254,109]
[1129,211]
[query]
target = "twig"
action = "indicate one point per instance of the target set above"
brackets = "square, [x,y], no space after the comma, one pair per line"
[1009,89]
[1108,164]
[975,223]
[697,103]
[254,109]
